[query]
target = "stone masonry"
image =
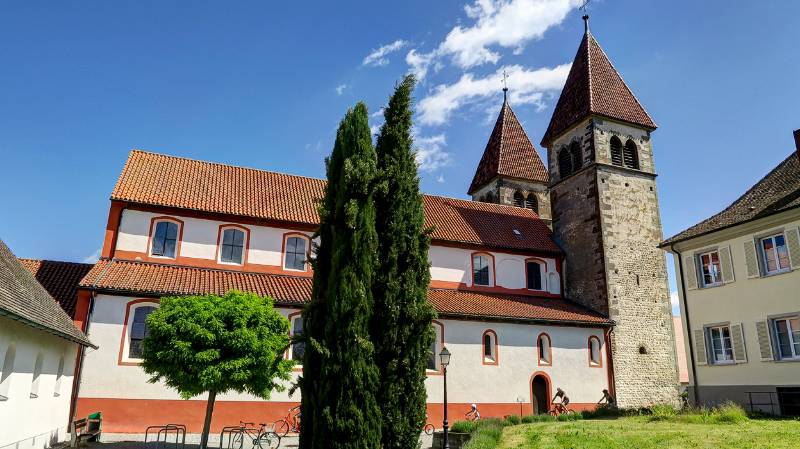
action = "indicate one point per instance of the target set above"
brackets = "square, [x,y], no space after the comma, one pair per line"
[607,220]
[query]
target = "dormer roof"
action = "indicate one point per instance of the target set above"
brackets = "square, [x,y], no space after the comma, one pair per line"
[510,153]
[594,86]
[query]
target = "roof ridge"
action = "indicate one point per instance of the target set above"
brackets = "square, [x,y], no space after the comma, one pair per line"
[589,37]
[54,261]
[206,269]
[222,164]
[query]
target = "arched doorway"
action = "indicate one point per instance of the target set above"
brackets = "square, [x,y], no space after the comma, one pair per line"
[540,394]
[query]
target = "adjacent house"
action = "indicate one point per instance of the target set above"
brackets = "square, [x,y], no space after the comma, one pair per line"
[739,284]
[39,346]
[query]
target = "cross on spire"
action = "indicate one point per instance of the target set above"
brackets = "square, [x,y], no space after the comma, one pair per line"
[584,8]
[505,84]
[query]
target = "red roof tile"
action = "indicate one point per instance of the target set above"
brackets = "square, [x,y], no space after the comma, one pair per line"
[594,86]
[158,279]
[161,180]
[509,152]
[60,279]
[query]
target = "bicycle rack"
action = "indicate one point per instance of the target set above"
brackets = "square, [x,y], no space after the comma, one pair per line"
[229,431]
[166,430]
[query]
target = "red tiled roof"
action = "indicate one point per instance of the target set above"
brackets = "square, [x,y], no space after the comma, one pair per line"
[776,192]
[60,279]
[594,86]
[509,152]
[161,180]
[157,279]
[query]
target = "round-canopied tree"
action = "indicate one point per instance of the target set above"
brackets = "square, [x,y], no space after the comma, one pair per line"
[214,344]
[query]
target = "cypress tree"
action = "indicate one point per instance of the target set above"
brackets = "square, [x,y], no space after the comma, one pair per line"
[340,378]
[401,325]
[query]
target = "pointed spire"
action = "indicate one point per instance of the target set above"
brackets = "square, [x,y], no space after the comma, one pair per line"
[594,86]
[509,152]
[585,23]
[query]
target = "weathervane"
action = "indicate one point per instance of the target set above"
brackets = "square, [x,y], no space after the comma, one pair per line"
[584,8]
[505,84]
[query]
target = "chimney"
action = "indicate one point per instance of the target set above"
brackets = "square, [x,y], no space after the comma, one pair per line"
[797,142]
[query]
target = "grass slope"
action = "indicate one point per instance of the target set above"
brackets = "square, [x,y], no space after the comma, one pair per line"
[643,433]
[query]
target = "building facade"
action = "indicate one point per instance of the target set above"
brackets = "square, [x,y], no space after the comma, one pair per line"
[39,346]
[739,277]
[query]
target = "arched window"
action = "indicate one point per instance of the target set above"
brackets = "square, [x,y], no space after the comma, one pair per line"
[577,157]
[232,245]
[436,348]
[59,375]
[616,151]
[136,329]
[532,203]
[481,269]
[37,375]
[295,252]
[630,155]
[489,348]
[564,163]
[8,368]
[519,200]
[165,238]
[545,350]
[490,197]
[595,358]
[297,350]
[534,271]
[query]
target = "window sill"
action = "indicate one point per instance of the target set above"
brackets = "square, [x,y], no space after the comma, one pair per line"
[776,273]
[787,360]
[707,286]
[723,363]
[3,398]
[34,396]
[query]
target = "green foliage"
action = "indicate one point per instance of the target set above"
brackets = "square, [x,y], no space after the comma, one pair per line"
[513,420]
[662,412]
[401,324]
[487,434]
[464,426]
[340,378]
[235,342]
[527,419]
[214,344]
[730,413]
[570,417]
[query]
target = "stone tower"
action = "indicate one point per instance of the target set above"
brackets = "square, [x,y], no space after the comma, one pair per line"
[606,216]
[511,171]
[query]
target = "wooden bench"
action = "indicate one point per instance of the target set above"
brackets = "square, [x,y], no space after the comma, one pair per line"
[86,429]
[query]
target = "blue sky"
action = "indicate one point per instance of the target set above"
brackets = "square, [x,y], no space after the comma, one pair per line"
[264,84]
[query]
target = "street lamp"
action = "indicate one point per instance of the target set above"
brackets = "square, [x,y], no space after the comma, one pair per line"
[444,359]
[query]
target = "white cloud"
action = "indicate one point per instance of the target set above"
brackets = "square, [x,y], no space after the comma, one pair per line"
[374,129]
[430,152]
[529,87]
[92,258]
[340,89]
[673,299]
[440,179]
[378,57]
[497,23]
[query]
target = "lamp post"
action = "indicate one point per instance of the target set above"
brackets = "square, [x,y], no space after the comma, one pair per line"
[444,359]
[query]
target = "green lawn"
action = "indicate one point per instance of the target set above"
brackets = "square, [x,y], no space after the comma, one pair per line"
[639,433]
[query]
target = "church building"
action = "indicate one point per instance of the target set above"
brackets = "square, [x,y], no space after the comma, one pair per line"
[550,277]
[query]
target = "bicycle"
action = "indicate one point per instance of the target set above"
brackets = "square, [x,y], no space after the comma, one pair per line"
[291,423]
[560,409]
[261,438]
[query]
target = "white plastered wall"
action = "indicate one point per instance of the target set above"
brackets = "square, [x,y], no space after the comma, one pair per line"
[26,422]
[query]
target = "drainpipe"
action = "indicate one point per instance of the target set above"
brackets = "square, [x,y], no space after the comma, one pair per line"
[695,392]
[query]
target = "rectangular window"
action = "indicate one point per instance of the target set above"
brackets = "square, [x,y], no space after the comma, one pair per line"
[710,268]
[296,253]
[138,331]
[299,348]
[787,333]
[721,349]
[165,239]
[480,270]
[775,255]
[534,275]
[232,250]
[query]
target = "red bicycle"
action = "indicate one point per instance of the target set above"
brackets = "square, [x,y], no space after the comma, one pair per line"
[291,423]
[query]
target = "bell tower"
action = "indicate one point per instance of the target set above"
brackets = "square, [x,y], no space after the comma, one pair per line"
[511,171]
[606,216]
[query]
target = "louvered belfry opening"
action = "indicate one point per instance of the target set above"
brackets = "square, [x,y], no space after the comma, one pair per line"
[616,151]
[631,155]
[532,203]
[564,163]
[519,200]
[577,157]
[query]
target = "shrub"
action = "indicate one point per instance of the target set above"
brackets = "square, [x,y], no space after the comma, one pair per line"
[513,420]
[730,413]
[464,426]
[570,417]
[662,412]
[486,434]
[537,418]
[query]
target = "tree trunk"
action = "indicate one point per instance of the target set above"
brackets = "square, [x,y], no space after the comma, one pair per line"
[212,395]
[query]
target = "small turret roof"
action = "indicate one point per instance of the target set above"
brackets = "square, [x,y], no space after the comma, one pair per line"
[509,152]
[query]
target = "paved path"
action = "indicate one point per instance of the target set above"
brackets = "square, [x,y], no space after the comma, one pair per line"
[136,441]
